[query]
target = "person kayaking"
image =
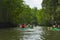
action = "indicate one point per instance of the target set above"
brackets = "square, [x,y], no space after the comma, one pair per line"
[22,25]
[31,26]
[28,25]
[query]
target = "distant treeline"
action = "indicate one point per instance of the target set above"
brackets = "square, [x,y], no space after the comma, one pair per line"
[14,12]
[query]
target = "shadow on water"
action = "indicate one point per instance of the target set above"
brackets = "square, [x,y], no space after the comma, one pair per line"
[9,34]
[51,34]
[15,34]
[39,33]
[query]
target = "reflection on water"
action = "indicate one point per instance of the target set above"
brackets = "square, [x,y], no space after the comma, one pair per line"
[9,34]
[35,34]
[39,33]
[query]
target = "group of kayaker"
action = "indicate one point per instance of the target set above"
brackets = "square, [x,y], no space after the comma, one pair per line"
[26,26]
[56,25]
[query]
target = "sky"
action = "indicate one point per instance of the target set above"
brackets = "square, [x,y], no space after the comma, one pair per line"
[34,3]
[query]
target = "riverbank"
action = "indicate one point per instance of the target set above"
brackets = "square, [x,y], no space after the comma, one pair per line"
[7,25]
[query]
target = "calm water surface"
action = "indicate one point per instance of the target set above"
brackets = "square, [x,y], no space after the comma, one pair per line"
[38,33]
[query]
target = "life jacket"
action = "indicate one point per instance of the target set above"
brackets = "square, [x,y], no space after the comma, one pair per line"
[23,26]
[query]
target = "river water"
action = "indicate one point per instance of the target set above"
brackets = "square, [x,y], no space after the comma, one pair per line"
[38,33]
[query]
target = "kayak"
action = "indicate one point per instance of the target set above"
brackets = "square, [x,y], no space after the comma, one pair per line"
[56,29]
[27,29]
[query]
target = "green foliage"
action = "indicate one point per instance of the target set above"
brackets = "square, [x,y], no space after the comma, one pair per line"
[28,15]
[14,11]
[10,10]
[42,17]
[52,7]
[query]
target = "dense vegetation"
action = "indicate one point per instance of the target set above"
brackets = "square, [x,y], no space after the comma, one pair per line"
[14,12]
[52,7]
[9,11]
